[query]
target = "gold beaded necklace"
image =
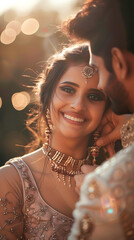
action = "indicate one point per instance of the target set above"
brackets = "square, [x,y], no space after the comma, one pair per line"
[64,164]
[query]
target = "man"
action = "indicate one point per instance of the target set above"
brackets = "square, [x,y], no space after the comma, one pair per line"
[106,206]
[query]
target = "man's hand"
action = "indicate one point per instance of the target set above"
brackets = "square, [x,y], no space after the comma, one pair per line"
[113,122]
[80,178]
[110,128]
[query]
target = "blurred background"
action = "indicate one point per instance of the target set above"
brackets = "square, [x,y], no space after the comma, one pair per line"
[28,36]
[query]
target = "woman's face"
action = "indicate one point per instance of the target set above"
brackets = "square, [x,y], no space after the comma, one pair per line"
[77,105]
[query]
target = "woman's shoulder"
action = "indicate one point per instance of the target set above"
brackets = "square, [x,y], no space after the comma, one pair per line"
[10,180]
[8,171]
[34,159]
[10,175]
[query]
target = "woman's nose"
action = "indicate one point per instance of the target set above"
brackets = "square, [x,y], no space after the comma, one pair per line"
[78,104]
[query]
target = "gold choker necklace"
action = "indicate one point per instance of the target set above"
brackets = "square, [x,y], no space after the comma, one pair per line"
[64,164]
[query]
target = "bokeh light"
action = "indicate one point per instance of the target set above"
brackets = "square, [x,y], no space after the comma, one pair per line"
[0,102]
[15,25]
[20,100]
[30,26]
[8,36]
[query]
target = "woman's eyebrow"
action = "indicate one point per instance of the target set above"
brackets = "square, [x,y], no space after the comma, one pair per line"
[71,83]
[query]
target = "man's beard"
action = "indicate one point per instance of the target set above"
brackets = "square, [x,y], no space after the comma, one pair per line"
[118,96]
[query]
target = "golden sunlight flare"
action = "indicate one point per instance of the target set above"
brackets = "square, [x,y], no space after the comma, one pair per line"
[24,6]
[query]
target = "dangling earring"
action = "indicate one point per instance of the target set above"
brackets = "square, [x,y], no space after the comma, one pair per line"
[48,129]
[94,150]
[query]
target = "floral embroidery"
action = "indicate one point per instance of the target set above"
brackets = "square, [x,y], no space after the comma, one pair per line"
[13,216]
[40,220]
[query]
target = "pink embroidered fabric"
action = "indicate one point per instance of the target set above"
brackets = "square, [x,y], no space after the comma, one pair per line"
[24,214]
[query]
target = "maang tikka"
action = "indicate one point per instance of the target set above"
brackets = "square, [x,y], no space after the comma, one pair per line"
[88,72]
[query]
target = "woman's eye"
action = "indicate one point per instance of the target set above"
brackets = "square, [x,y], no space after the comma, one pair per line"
[67,89]
[94,97]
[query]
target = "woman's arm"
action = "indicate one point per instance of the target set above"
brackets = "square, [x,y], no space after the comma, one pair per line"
[11,203]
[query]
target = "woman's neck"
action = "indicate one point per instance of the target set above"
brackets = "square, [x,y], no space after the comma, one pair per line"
[77,148]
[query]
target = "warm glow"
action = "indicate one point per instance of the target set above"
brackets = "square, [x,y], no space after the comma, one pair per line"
[0,102]
[30,26]
[18,5]
[8,36]
[64,7]
[60,3]
[20,100]
[15,25]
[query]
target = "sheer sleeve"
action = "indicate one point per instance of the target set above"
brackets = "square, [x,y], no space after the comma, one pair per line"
[11,204]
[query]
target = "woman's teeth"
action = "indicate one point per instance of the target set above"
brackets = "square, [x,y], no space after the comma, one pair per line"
[73,118]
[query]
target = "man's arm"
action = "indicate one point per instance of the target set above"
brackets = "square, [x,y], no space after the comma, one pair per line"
[106,206]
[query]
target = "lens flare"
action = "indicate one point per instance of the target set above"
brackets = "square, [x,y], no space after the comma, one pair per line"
[0,102]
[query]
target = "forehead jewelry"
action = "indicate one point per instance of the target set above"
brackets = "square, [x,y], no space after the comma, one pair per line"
[88,72]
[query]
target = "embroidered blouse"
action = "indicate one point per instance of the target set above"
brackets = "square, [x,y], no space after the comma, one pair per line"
[24,214]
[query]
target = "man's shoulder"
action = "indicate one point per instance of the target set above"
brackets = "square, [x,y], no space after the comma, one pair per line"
[123,159]
[106,199]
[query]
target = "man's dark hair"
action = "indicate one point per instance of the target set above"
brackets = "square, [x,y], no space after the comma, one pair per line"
[106,24]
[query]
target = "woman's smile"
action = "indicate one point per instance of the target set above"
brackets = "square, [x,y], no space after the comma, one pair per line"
[73,119]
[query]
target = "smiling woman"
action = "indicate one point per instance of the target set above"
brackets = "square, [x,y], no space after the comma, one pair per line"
[78,105]
[38,189]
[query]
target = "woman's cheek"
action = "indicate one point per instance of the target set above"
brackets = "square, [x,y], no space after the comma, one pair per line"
[98,114]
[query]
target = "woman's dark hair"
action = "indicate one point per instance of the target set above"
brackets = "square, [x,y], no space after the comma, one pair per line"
[55,67]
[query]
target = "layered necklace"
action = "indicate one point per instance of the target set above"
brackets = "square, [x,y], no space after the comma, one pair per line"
[63,164]
[66,166]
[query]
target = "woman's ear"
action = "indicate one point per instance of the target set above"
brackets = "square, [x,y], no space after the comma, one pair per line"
[119,63]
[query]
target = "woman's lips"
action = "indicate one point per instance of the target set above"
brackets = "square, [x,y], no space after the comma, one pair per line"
[73,119]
